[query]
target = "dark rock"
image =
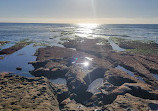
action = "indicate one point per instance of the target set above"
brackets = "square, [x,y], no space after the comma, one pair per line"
[18,68]
[61,91]
[14,48]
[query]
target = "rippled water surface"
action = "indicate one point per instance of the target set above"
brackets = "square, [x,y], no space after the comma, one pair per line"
[43,32]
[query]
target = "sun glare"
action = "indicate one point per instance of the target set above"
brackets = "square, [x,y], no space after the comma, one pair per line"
[86,64]
[86,30]
[89,26]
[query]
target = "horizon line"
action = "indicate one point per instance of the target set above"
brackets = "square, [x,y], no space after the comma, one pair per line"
[82,20]
[79,23]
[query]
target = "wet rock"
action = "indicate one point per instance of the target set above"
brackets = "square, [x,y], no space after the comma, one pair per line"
[153,106]
[27,94]
[61,91]
[19,68]
[38,64]
[14,48]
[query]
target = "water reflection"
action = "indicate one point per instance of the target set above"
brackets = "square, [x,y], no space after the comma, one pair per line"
[58,81]
[19,59]
[95,85]
[129,73]
[83,61]
[85,30]
[115,46]
[85,64]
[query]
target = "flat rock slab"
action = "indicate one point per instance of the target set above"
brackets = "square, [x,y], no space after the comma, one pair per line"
[19,93]
[92,46]
[13,49]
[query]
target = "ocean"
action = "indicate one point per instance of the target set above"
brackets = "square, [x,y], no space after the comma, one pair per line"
[43,32]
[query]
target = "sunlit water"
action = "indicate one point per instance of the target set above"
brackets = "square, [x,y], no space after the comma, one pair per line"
[95,85]
[129,73]
[19,59]
[43,32]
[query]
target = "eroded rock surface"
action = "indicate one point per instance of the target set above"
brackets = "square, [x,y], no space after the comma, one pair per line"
[128,102]
[93,59]
[33,94]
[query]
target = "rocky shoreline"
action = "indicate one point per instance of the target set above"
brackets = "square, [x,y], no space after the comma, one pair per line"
[128,81]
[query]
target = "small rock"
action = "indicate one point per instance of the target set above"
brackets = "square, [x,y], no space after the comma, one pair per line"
[18,68]
[5,73]
[66,101]
[1,57]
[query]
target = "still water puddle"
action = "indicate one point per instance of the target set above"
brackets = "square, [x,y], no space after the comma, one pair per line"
[58,81]
[115,46]
[125,70]
[93,87]
[19,59]
[129,73]
[155,75]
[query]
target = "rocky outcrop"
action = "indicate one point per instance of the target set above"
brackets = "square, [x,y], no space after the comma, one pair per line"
[14,48]
[130,62]
[152,66]
[92,46]
[95,59]
[19,93]
[128,102]
[61,91]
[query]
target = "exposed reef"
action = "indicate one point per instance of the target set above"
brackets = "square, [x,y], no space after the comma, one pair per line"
[128,79]
[94,59]
[14,48]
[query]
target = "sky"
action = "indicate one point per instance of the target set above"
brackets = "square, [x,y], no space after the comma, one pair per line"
[80,11]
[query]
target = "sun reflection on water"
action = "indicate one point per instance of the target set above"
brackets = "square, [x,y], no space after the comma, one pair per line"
[83,61]
[86,30]
[86,64]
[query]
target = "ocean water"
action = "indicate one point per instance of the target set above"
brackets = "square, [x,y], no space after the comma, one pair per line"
[52,33]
